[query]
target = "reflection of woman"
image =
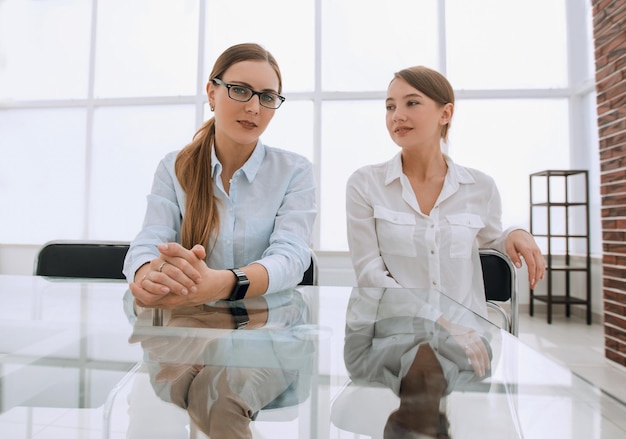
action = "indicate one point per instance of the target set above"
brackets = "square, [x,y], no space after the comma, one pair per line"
[418,220]
[390,340]
[228,216]
[223,376]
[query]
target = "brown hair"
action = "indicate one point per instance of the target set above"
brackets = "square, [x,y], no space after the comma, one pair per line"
[433,84]
[193,163]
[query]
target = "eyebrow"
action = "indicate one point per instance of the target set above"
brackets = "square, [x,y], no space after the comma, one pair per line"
[410,95]
[245,84]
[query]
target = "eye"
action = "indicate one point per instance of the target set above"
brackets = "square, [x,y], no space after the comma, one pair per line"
[390,107]
[269,98]
[412,103]
[237,89]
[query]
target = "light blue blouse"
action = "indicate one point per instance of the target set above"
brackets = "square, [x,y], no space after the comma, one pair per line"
[267,217]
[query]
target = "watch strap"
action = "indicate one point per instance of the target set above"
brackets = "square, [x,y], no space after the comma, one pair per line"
[240,315]
[241,285]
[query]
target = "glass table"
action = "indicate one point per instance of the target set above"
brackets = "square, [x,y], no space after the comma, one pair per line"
[314,362]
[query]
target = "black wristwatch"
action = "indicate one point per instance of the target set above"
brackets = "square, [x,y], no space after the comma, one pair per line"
[240,315]
[241,287]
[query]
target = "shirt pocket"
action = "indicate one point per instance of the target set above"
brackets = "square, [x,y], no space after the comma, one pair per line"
[463,230]
[395,231]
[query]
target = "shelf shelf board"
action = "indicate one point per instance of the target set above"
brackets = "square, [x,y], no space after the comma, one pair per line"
[566,268]
[560,235]
[560,299]
[558,204]
[559,172]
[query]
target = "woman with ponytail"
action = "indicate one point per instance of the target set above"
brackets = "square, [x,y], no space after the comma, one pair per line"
[228,217]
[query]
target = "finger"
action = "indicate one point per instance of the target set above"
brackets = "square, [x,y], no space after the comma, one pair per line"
[478,355]
[484,356]
[175,250]
[199,251]
[514,256]
[184,260]
[473,360]
[175,279]
[541,265]
[155,284]
[143,297]
[536,267]
[188,274]
[481,364]
[531,265]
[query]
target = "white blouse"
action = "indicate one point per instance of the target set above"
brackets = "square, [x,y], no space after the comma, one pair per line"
[394,245]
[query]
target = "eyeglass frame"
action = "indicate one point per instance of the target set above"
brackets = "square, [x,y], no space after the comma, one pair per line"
[228,86]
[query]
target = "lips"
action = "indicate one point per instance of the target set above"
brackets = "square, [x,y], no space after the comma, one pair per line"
[247,124]
[402,130]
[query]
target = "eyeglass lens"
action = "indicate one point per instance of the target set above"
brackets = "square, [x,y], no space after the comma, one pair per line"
[242,93]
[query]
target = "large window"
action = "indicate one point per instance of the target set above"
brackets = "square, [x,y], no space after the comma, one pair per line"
[93,93]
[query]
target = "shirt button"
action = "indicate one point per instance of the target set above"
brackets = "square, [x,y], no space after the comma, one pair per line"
[432,252]
[434,282]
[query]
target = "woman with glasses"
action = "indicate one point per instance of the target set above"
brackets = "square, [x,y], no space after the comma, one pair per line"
[228,216]
[418,220]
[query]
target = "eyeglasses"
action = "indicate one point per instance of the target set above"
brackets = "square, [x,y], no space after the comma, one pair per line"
[242,93]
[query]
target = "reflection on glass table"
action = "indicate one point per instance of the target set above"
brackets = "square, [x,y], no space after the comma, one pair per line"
[227,362]
[413,374]
[318,362]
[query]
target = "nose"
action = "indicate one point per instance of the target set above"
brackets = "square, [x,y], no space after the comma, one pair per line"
[253,105]
[397,115]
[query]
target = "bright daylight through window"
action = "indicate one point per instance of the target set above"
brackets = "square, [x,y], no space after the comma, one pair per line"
[94,93]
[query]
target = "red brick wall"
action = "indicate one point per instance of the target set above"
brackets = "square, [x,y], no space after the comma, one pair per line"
[609,24]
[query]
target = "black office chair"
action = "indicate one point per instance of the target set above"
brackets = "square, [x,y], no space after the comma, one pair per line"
[500,279]
[311,274]
[88,259]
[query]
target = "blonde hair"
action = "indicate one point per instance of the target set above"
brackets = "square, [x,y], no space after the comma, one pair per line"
[193,163]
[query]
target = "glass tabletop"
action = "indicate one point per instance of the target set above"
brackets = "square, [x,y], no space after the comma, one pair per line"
[313,362]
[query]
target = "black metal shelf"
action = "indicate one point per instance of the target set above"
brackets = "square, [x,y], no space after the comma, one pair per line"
[549,200]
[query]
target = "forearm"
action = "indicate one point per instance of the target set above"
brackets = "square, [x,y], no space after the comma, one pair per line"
[258,277]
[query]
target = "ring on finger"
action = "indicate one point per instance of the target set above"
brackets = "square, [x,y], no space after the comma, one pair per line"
[161,267]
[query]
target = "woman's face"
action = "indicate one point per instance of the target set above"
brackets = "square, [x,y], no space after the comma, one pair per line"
[242,123]
[413,118]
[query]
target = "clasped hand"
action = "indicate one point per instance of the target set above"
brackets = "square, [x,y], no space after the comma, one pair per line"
[178,277]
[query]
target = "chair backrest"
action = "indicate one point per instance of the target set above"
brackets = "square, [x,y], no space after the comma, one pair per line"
[499,277]
[89,259]
[311,274]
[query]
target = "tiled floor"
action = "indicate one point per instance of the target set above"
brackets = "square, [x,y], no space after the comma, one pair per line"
[571,342]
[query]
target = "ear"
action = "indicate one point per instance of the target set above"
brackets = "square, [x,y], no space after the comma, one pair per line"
[210,92]
[446,113]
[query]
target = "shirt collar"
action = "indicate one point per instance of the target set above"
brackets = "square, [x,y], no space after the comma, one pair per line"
[394,169]
[457,174]
[249,168]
